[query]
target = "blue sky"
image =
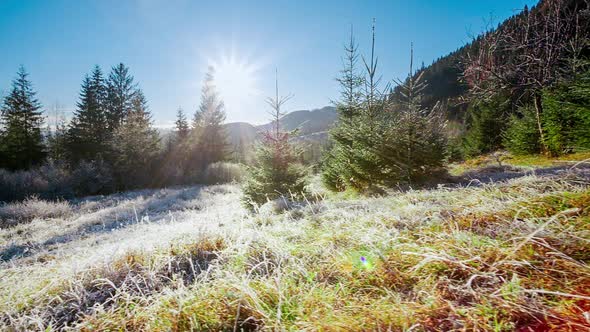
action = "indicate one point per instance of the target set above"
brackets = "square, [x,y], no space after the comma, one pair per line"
[169,44]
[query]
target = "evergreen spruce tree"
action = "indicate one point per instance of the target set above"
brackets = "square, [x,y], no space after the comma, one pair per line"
[135,144]
[566,117]
[353,161]
[368,170]
[413,143]
[208,141]
[120,95]
[486,125]
[336,170]
[182,128]
[88,133]
[22,140]
[388,139]
[522,136]
[275,172]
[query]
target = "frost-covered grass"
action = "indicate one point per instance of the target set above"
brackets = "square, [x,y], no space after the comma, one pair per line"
[30,209]
[497,256]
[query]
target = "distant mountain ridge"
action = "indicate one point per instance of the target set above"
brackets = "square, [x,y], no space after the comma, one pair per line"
[307,122]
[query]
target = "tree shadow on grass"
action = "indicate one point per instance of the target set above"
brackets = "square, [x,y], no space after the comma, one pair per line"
[493,174]
[488,175]
[114,212]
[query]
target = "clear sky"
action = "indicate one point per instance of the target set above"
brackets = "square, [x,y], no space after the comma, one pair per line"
[168,45]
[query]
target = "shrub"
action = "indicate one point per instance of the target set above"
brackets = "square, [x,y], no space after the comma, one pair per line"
[46,181]
[274,174]
[566,116]
[522,135]
[487,122]
[223,172]
[331,176]
[565,121]
[454,151]
[31,208]
[55,180]
[91,178]
[414,144]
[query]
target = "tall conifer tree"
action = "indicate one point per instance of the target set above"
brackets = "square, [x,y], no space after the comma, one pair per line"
[135,144]
[210,136]
[87,137]
[120,95]
[353,162]
[182,127]
[22,119]
[336,165]
[387,139]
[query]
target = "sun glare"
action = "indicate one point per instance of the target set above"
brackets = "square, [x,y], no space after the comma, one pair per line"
[236,81]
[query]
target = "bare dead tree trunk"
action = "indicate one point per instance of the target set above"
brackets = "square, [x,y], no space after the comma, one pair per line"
[538,103]
[276,103]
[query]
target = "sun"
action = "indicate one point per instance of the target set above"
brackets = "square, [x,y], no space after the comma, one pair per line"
[237,82]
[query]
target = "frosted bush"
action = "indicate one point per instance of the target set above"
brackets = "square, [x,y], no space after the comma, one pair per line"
[32,208]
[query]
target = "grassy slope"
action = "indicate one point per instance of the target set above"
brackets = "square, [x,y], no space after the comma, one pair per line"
[493,257]
[526,161]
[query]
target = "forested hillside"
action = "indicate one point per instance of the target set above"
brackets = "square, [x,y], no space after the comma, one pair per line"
[446,82]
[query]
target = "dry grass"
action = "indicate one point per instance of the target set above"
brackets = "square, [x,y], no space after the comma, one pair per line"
[494,257]
[55,180]
[30,209]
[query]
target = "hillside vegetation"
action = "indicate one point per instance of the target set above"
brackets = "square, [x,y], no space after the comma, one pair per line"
[456,199]
[445,76]
[474,255]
